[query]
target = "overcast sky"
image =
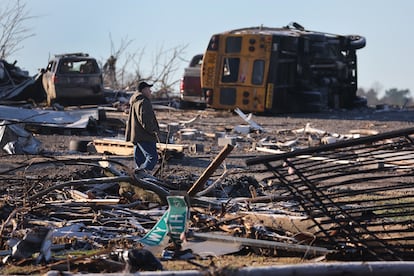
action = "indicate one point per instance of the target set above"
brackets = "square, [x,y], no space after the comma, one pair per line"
[87,25]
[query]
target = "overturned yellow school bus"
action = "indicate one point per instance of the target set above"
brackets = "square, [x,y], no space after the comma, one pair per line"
[287,69]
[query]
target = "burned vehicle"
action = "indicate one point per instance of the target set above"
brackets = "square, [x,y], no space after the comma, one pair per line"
[73,78]
[273,70]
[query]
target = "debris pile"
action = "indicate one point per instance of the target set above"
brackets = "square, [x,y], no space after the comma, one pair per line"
[346,198]
[17,85]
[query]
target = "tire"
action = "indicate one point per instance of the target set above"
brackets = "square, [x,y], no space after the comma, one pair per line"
[356,42]
[79,145]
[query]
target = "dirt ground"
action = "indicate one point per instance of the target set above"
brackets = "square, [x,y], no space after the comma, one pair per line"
[185,168]
[209,122]
[190,165]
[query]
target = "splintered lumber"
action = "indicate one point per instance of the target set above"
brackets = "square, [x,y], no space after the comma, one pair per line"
[289,223]
[114,146]
[82,197]
[121,147]
[198,185]
[327,147]
[315,250]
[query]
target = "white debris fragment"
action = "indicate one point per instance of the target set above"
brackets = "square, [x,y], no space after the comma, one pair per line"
[249,120]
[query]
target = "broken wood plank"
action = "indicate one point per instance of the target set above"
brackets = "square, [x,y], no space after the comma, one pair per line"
[315,250]
[364,131]
[198,185]
[307,156]
[121,147]
[264,199]
[290,223]
[327,147]
[82,197]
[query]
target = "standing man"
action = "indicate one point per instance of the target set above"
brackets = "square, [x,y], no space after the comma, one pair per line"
[142,128]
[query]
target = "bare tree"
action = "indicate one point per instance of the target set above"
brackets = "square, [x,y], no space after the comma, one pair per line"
[114,77]
[12,29]
[164,67]
[128,78]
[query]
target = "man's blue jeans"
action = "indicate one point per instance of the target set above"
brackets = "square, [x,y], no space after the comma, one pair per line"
[146,155]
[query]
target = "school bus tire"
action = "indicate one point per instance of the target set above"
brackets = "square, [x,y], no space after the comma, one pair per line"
[356,42]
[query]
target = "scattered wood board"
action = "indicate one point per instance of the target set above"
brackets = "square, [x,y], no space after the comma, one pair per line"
[120,147]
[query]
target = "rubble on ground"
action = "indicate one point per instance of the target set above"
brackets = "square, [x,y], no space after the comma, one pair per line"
[295,191]
[16,84]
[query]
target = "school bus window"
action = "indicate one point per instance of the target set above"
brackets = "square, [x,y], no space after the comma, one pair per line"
[258,72]
[230,70]
[233,44]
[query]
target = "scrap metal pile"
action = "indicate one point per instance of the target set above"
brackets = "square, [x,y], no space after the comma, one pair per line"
[358,193]
[17,85]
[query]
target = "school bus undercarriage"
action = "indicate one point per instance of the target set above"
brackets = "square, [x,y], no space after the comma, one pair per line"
[288,69]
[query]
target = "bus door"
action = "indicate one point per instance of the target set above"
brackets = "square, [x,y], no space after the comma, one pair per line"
[243,71]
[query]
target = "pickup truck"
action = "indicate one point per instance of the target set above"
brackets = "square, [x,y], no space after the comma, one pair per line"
[191,94]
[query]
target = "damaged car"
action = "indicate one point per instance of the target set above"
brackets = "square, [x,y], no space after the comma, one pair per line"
[73,78]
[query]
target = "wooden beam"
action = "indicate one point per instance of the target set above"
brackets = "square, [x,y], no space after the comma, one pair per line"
[120,147]
[198,185]
[315,250]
